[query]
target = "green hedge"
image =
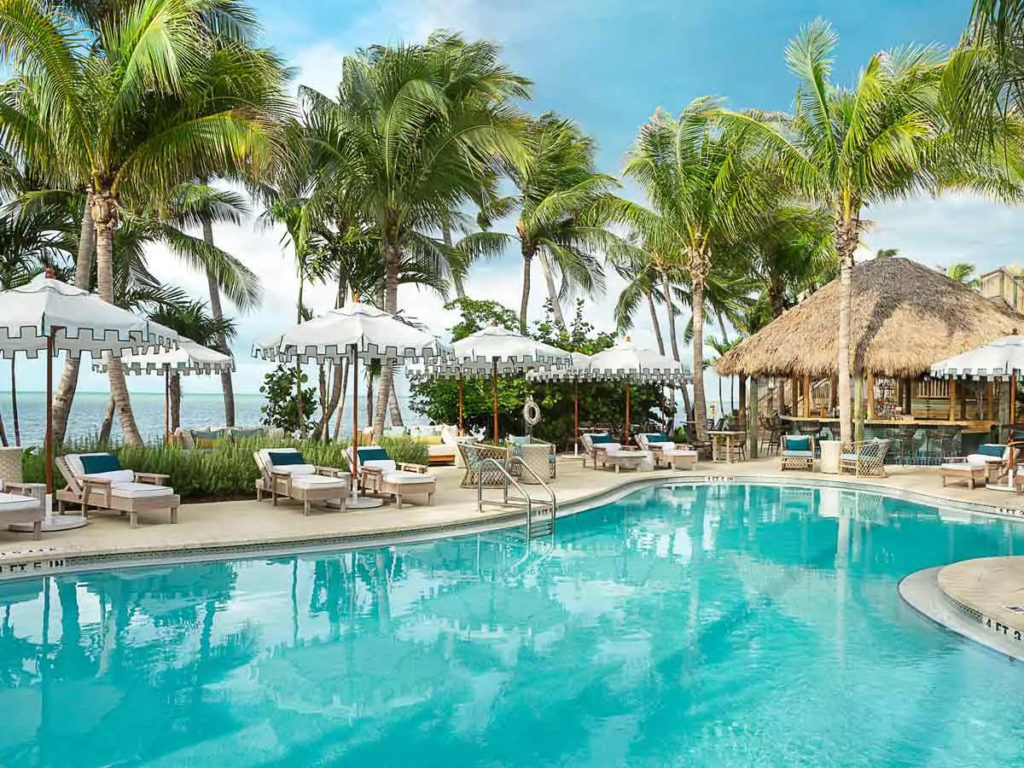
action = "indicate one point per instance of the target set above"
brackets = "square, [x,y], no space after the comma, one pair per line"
[225,471]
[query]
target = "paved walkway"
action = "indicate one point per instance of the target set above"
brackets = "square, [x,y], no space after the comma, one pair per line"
[248,523]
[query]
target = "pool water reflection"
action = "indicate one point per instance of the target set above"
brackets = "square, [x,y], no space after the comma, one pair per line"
[705,625]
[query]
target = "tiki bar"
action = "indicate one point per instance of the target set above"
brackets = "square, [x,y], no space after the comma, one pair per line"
[905,317]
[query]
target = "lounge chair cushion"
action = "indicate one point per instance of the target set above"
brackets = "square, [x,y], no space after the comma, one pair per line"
[10,503]
[796,443]
[961,466]
[296,470]
[100,463]
[800,454]
[319,481]
[603,439]
[656,438]
[372,453]
[403,477]
[140,490]
[385,465]
[117,476]
[679,452]
[991,450]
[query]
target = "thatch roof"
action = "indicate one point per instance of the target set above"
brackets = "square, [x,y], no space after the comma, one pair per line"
[905,317]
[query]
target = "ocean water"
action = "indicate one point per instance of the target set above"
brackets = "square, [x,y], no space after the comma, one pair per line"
[691,626]
[89,408]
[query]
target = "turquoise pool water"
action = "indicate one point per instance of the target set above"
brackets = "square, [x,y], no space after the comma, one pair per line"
[712,625]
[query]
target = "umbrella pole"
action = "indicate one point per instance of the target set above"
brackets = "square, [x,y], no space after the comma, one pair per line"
[626,441]
[49,412]
[462,431]
[576,417]
[167,404]
[355,421]
[494,379]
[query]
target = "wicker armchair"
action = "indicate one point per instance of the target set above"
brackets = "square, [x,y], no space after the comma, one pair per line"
[473,454]
[797,452]
[867,458]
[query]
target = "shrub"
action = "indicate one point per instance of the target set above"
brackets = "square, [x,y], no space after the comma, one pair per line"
[225,471]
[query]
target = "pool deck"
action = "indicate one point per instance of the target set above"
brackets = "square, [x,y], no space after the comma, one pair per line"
[247,525]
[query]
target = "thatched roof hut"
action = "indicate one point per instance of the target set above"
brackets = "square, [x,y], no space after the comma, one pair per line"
[905,317]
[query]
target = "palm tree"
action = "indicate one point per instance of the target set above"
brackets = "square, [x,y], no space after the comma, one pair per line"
[193,321]
[561,200]
[965,273]
[848,148]
[886,253]
[163,94]
[705,191]
[413,132]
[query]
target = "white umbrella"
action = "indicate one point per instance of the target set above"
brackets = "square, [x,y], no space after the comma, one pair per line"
[494,351]
[627,362]
[50,316]
[998,359]
[188,359]
[579,369]
[353,332]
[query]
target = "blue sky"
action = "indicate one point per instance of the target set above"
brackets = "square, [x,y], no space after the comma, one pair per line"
[608,65]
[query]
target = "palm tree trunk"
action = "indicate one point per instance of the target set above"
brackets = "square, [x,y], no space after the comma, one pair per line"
[392,262]
[342,400]
[699,402]
[108,422]
[524,302]
[846,236]
[3,433]
[68,383]
[14,404]
[655,324]
[666,289]
[217,312]
[174,385]
[104,216]
[395,410]
[446,236]
[298,368]
[549,279]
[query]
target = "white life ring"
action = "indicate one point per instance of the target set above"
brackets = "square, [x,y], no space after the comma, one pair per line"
[531,411]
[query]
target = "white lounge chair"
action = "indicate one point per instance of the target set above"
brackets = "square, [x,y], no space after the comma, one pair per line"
[664,451]
[595,444]
[381,476]
[20,504]
[283,472]
[98,480]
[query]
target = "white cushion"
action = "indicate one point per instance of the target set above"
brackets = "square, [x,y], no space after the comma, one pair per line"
[680,452]
[264,457]
[441,450]
[798,454]
[74,461]
[608,447]
[619,452]
[961,465]
[384,465]
[402,477]
[295,469]
[980,459]
[10,503]
[114,476]
[140,490]
[319,481]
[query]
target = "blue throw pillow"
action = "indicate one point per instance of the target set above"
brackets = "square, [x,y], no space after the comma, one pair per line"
[286,458]
[599,439]
[798,443]
[101,462]
[658,439]
[373,453]
[992,449]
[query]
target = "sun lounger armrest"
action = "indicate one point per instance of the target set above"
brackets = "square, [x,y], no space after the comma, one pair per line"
[419,468]
[151,478]
[98,484]
[330,471]
[278,476]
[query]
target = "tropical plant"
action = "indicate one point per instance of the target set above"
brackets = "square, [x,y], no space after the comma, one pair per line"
[705,190]
[848,148]
[561,202]
[164,92]
[965,273]
[280,408]
[413,133]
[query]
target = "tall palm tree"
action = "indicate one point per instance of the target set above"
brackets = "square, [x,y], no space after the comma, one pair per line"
[561,203]
[413,131]
[193,321]
[965,273]
[160,96]
[847,148]
[704,191]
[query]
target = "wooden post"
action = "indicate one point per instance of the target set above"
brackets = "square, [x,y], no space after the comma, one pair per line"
[794,387]
[990,397]
[807,394]
[355,418]
[626,440]
[871,395]
[963,400]
[576,415]
[462,430]
[48,471]
[1013,398]
[752,418]
[858,407]
[952,399]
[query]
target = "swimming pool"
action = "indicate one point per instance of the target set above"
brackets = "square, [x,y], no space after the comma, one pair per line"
[697,625]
